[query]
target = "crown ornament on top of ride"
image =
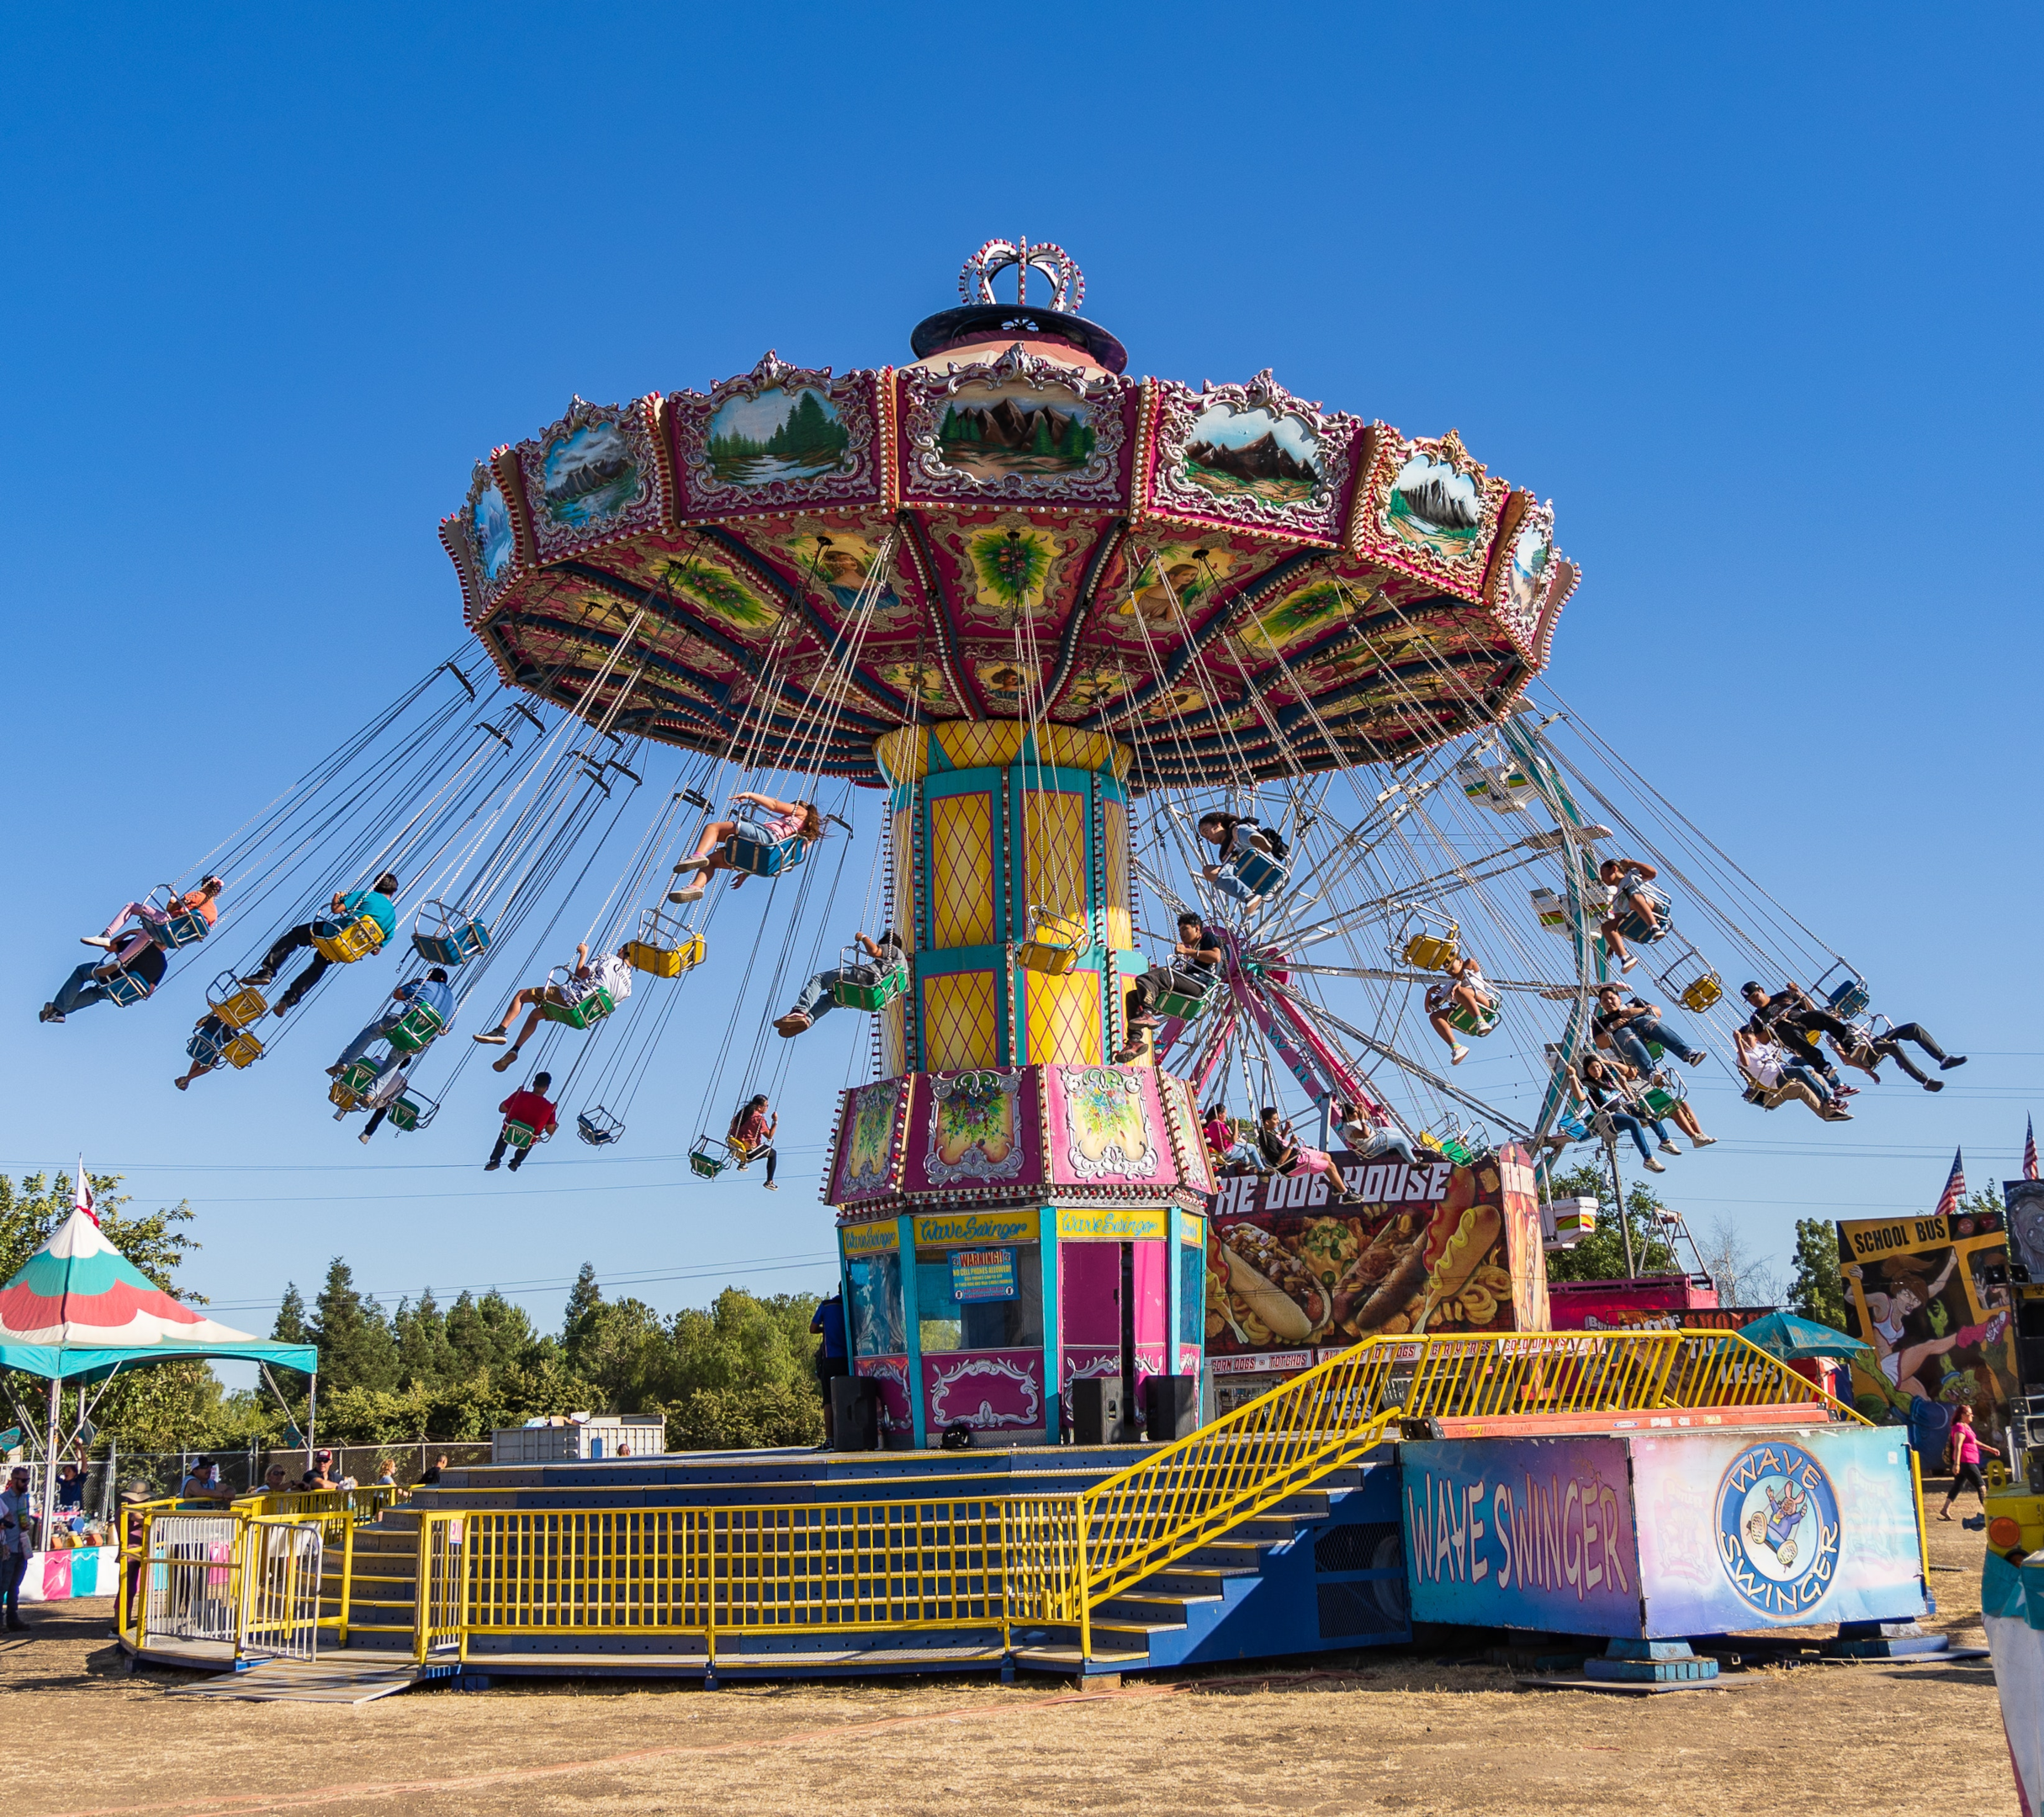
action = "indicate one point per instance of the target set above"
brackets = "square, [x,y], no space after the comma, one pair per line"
[1233,580]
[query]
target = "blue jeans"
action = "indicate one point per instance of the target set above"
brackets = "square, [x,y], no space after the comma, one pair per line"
[1630,1042]
[1630,1124]
[13,1566]
[1810,1079]
[816,999]
[377,1031]
[80,991]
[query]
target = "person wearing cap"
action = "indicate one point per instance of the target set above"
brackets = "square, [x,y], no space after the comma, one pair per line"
[204,1484]
[345,910]
[17,1512]
[321,1475]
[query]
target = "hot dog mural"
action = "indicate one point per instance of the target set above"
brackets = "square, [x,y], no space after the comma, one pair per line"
[1433,1248]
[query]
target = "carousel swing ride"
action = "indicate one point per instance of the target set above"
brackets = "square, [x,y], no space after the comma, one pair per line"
[1075,653]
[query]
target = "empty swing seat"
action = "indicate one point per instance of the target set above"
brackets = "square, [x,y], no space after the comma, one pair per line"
[702,1163]
[765,857]
[665,948]
[344,942]
[235,1003]
[1055,940]
[452,938]
[411,1112]
[413,1032]
[1431,952]
[597,1127]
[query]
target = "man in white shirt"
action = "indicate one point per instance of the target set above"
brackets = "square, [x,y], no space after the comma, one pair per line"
[17,1513]
[613,973]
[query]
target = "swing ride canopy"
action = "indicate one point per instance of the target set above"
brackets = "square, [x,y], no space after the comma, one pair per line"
[78,1309]
[1236,581]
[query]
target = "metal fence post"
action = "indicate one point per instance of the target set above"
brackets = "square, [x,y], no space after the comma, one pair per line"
[1085,1593]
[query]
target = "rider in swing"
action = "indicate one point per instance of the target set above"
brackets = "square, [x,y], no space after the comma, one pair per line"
[776,821]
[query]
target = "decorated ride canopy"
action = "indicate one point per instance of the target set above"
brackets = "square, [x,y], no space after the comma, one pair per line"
[1236,581]
[78,1308]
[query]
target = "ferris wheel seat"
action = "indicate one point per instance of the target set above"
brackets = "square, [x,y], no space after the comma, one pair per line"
[765,857]
[344,942]
[410,1113]
[592,1006]
[413,1032]
[124,988]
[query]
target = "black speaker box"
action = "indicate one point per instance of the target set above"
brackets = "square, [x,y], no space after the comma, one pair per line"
[1170,1407]
[1096,1410]
[855,1413]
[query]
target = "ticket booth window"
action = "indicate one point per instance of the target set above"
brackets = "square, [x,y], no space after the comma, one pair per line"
[1192,1294]
[1007,1324]
[878,1328]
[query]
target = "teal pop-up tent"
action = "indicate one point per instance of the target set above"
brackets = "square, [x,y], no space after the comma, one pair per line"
[80,1311]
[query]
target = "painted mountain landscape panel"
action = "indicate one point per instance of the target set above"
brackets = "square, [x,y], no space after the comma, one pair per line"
[590,473]
[1267,456]
[1432,506]
[990,431]
[780,434]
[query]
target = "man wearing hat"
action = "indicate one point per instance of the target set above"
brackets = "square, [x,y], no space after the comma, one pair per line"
[322,1473]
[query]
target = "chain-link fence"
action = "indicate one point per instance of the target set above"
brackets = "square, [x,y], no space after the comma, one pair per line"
[164,1473]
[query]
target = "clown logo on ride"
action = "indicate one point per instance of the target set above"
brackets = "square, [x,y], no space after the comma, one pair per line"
[1778,1529]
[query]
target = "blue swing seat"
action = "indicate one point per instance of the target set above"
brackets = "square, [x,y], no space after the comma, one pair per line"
[1260,873]
[124,988]
[765,857]
[455,939]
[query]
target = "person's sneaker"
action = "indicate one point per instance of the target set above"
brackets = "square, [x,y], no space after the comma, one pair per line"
[772,1185]
[1950,1060]
[692,893]
[1632,960]
[363,1137]
[1836,1114]
[1702,1142]
[510,1059]
[791,1024]
[96,939]
[1459,1055]
[335,1071]
[491,1037]
[1669,1147]
[1128,1055]
[1934,1084]
[1656,1167]
[690,864]
[491,1165]
[48,1013]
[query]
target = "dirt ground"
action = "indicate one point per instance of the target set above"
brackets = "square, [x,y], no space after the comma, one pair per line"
[1363,1733]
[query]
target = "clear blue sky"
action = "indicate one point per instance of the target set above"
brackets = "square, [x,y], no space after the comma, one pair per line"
[1750,292]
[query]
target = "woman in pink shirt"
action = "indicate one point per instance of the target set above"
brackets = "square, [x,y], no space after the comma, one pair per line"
[1966,1448]
[773,822]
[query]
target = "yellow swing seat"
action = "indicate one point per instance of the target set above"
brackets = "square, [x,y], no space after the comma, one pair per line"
[350,941]
[1055,940]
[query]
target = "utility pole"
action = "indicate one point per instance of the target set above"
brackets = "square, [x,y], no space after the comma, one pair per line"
[1618,1187]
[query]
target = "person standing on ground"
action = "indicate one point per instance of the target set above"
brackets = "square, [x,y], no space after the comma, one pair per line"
[16,1511]
[1964,1448]
[833,1357]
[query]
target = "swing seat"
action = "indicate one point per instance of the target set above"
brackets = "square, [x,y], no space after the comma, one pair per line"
[1701,994]
[1658,1100]
[349,940]
[890,984]
[353,1085]
[1634,929]
[650,955]
[1477,1023]
[592,1006]
[597,1127]
[764,857]
[126,987]
[450,938]
[1846,998]
[410,1113]
[702,1163]
[235,1003]
[185,928]
[414,1031]
[1453,1146]
[1055,940]
[516,1135]
[243,1051]
[1186,998]
[1258,872]
[1431,952]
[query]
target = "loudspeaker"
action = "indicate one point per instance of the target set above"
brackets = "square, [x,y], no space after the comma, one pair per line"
[1170,1407]
[2030,1353]
[1096,1410]
[855,1413]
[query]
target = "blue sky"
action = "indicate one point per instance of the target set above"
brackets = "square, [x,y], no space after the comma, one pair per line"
[1735,287]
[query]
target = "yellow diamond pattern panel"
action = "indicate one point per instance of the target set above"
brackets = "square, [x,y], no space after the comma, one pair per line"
[1115,830]
[977,744]
[961,869]
[1054,848]
[904,880]
[958,1024]
[894,1050]
[1063,1018]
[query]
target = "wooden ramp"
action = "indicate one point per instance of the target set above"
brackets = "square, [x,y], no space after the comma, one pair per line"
[351,1676]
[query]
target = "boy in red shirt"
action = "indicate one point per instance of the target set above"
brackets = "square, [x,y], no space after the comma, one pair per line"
[530,1107]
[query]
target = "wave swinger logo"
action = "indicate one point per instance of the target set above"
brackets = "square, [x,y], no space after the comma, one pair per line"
[1778,1529]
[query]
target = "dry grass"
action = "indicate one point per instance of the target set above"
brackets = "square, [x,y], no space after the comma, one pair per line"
[1364,1734]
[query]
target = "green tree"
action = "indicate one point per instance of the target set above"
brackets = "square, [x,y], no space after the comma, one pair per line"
[1040,439]
[356,1349]
[1601,1256]
[1815,1291]
[578,1322]
[423,1352]
[489,1333]
[292,1326]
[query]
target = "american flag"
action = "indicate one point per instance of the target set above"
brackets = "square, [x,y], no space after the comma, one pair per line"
[2030,1148]
[83,1198]
[1954,1188]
